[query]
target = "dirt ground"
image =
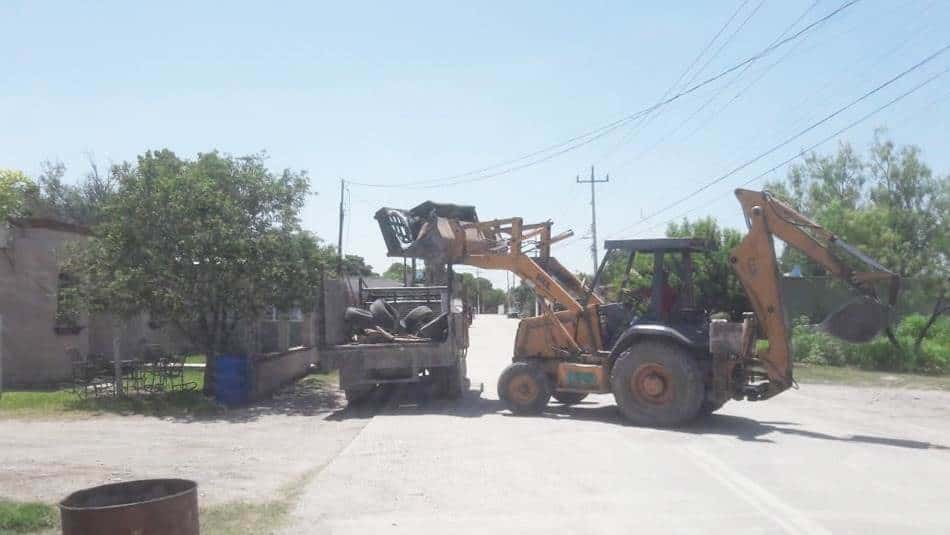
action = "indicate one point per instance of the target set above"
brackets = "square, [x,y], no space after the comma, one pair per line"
[247,454]
[821,459]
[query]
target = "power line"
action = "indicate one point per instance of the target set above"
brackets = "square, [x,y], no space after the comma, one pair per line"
[715,95]
[645,120]
[915,32]
[803,151]
[762,73]
[728,40]
[813,146]
[593,135]
[788,140]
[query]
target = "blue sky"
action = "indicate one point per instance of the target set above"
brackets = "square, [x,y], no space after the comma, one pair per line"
[395,92]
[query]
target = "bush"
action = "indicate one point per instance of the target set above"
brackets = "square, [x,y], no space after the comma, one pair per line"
[933,355]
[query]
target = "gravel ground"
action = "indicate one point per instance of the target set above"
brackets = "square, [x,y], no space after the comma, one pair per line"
[822,459]
[246,455]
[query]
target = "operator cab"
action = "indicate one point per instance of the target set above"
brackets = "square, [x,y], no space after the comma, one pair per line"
[666,297]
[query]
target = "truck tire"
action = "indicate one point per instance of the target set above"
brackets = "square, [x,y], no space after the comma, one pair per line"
[709,407]
[385,316]
[570,398]
[358,318]
[524,387]
[435,329]
[416,318]
[657,383]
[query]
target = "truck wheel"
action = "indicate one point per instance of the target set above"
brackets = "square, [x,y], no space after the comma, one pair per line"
[570,398]
[708,408]
[657,383]
[524,387]
[357,394]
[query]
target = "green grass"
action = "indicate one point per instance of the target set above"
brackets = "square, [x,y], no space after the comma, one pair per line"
[62,402]
[843,375]
[195,359]
[26,517]
[255,518]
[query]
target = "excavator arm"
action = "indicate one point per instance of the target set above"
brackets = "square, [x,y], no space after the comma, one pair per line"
[756,266]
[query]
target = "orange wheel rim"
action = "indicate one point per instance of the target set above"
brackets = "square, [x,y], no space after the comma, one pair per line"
[523,390]
[652,383]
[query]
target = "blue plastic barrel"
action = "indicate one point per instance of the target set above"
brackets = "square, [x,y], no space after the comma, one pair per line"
[232,382]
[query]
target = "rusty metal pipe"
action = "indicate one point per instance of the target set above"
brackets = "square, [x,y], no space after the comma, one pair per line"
[144,507]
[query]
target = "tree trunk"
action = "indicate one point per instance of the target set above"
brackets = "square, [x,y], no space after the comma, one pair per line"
[938,309]
[890,336]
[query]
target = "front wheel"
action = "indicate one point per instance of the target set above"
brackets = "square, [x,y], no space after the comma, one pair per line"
[525,388]
[657,383]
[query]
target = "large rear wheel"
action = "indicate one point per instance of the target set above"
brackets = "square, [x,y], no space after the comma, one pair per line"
[525,388]
[657,383]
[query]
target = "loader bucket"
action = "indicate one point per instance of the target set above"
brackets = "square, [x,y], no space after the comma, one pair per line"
[858,320]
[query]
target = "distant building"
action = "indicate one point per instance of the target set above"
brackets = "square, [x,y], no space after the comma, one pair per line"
[34,336]
[39,325]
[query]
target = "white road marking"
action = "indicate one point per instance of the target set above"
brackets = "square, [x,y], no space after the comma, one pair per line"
[790,519]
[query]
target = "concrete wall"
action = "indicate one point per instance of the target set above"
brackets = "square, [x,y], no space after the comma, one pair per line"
[33,353]
[270,372]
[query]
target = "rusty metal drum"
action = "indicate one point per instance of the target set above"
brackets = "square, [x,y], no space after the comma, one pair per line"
[143,507]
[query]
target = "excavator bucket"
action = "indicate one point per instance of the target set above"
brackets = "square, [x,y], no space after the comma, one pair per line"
[858,320]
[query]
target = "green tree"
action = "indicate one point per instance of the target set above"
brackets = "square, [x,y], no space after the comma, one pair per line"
[478,290]
[15,189]
[889,204]
[396,271]
[206,243]
[523,298]
[717,287]
[356,266]
[82,203]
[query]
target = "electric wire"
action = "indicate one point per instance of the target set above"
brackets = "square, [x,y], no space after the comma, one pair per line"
[862,119]
[727,41]
[795,136]
[718,92]
[593,135]
[646,120]
[817,144]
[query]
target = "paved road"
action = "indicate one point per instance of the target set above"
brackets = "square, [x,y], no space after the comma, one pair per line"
[818,460]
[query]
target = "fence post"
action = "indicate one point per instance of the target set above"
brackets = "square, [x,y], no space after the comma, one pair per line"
[116,358]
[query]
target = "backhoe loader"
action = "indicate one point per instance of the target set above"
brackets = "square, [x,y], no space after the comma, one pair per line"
[664,360]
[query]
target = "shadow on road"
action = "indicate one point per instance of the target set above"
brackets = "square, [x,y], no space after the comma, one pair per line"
[750,430]
[415,399]
[745,429]
[314,396]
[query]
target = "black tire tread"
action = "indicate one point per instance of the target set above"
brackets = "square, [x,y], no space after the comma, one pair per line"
[689,389]
[512,371]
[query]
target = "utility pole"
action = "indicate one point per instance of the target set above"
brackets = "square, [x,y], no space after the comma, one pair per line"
[339,239]
[478,293]
[593,212]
